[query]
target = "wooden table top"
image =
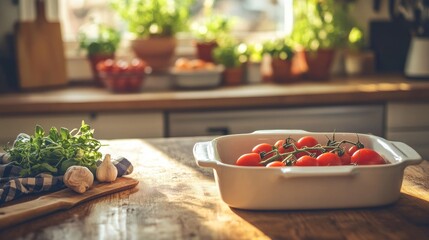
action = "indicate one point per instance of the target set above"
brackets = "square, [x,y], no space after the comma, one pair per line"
[352,90]
[176,199]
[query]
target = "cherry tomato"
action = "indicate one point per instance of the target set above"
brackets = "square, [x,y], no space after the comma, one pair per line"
[263,147]
[365,156]
[328,159]
[137,65]
[307,141]
[345,158]
[306,161]
[279,145]
[249,159]
[300,154]
[352,150]
[276,164]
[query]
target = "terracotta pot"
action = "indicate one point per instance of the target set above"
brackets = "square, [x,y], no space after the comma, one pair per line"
[205,50]
[157,52]
[282,70]
[94,59]
[319,64]
[233,76]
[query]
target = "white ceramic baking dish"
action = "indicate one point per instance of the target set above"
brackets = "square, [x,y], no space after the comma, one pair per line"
[200,78]
[262,188]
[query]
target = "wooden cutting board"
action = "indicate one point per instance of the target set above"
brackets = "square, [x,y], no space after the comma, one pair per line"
[40,52]
[60,200]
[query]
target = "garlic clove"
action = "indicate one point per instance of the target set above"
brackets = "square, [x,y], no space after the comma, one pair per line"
[106,172]
[78,178]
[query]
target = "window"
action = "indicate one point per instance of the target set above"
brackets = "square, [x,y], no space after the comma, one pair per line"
[253,18]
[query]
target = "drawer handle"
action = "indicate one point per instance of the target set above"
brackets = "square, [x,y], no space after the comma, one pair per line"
[218,130]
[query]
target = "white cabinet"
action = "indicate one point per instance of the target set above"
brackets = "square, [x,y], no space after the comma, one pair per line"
[359,119]
[106,125]
[409,123]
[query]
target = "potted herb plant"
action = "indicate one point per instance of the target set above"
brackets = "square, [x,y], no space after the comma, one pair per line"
[357,59]
[231,55]
[100,42]
[154,24]
[320,28]
[254,71]
[208,32]
[282,53]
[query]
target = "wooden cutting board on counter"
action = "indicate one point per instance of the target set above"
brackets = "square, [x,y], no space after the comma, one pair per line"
[60,200]
[40,51]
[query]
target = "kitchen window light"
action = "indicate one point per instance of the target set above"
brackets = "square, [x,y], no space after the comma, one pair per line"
[254,20]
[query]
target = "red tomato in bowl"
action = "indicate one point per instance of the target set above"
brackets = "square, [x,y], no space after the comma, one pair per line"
[352,150]
[276,164]
[345,158]
[365,156]
[306,161]
[249,159]
[265,148]
[279,145]
[307,141]
[328,159]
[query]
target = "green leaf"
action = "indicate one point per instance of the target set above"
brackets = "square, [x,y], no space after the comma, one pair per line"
[39,131]
[39,153]
[65,134]
[44,167]
[53,134]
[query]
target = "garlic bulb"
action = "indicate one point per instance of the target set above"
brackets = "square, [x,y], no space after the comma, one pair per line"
[78,178]
[106,172]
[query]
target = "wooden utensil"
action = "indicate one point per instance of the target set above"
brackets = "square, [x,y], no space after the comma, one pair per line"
[40,51]
[63,199]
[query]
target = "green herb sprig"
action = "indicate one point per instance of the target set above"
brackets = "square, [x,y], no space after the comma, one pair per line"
[56,151]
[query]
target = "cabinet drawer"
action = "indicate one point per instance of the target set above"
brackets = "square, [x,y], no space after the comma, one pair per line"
[407,115]
[360,119]
[106,125]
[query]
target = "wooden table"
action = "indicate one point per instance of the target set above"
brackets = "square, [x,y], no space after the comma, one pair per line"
[176,199]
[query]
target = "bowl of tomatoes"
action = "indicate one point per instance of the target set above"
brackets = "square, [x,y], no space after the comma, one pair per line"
[122,76]
[196,74]
[295,169]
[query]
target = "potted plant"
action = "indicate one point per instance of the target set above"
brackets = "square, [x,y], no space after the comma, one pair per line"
[231,55]
[100,42]
[208,32]
[357,59]
[320,28]
[254,73]
[282,53]
[154,24]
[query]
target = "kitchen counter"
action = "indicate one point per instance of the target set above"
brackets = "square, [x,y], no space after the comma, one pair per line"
[176,199]
[353,90]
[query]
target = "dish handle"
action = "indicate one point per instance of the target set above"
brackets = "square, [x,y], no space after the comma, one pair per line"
[294,172]
[411,157]
[202,154]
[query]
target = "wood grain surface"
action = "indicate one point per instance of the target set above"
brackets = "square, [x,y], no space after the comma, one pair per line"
[60,200]
[176,199]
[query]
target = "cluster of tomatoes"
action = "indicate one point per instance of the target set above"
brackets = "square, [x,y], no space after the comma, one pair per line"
[185,64]
[121,75]
[307,151]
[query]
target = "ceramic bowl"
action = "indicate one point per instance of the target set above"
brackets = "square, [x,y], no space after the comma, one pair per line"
[196,79]
[261,188]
